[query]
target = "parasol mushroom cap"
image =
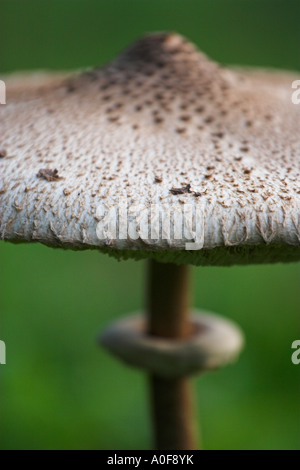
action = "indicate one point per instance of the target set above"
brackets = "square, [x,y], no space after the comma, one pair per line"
[204,161]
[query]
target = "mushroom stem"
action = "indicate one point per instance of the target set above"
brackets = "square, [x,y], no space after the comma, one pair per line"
[168,317]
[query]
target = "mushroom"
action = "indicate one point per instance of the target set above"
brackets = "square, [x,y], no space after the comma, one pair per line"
[163,155]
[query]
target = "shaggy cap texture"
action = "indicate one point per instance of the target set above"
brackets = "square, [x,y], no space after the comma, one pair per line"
[204,159]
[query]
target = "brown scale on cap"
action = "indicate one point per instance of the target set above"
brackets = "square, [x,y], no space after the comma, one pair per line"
[49,175]
[160,108]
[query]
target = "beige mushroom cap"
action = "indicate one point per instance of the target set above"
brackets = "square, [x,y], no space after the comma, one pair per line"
[170,134]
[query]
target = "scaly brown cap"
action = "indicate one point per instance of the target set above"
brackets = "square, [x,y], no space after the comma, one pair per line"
[161,126]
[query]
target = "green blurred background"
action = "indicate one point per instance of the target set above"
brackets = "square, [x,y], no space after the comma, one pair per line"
[58,389]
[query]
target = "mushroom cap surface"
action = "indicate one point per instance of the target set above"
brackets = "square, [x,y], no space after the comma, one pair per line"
[162,153]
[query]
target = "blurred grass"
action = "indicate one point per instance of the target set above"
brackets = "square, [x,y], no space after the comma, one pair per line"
[58,389]
[62,34]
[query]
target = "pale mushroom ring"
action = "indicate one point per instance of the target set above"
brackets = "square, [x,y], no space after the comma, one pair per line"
[215,342]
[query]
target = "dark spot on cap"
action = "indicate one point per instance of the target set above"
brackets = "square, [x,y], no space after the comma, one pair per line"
[219,135]
[70,88]
[157,179]
[185,118]
[49,175]
[183,190]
